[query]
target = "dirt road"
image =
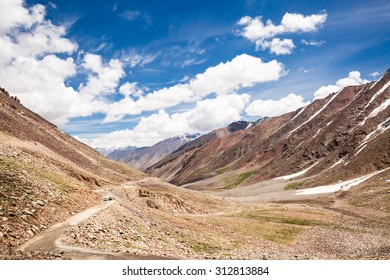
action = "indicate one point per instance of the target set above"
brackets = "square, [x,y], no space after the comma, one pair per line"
[48,240]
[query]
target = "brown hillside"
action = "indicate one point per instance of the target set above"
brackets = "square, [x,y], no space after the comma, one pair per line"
[349,128]
[45,175]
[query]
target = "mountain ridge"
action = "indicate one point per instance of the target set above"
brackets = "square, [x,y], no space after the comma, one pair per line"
[143,157]
[326,130]
[45,174]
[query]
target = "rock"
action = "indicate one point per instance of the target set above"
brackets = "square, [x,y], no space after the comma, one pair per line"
[1,234]
[34,229]
[4,219]
[27,212]
[40,203]
[30,232]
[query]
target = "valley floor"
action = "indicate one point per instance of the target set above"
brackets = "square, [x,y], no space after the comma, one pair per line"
[150,220]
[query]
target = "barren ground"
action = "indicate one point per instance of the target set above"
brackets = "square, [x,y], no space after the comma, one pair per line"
[150,220]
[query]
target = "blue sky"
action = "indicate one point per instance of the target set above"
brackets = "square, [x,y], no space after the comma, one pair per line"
[118,73]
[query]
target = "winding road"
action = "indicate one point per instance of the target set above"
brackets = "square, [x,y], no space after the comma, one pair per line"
[48,240]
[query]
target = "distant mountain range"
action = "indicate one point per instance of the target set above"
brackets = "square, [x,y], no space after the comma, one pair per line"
[115,151]
[141,158]
[342,136]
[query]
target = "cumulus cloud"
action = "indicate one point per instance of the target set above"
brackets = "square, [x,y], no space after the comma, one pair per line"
[207,115]
[36,62]
[131,89]
[211,113]
[272,108]
[262,34]
[104,78]
[277,46]
[293,23]
[352,79]
[30,62]
[241,72]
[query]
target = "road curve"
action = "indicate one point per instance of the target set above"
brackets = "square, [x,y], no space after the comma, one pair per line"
[48,240]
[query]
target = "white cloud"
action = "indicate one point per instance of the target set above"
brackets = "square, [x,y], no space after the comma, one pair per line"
[312,43]
[352,79]
[212,113]
[132,15]
[254,28]
[375,74]
[207,115]
[192,61]
[256,31]
[117,110]
[30,66]
[104,77]
[272,108]
[25,33]
[32,69]
[293,23]
[241,72]
[134,59]
[324,91]
[14,14]
[277,46]
[131,89]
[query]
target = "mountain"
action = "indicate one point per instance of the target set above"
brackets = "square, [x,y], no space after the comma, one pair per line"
[107,151]
[116,152]
[141,158]
[45,174]
[167,171]
[340,137]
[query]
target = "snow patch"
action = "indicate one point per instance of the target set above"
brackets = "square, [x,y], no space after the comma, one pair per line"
[361,149]
[382,127]
[376,111]
[249,125]
[300,112]
[344,186]
[377,94]
[314,115]
[318,131]
[337,163]
[379,109]
[374,84]
[287,177]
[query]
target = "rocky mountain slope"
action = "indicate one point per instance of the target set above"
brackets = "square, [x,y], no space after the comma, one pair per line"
[170,170]
[45,175]
[343,136]
[142,158]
